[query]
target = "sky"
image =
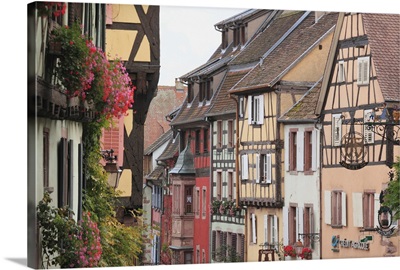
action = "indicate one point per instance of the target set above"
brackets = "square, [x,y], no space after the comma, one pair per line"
[188,38]
[191,53]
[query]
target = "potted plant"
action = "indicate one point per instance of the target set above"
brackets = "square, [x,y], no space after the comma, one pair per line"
[83,71]
[289,251]
[306,254]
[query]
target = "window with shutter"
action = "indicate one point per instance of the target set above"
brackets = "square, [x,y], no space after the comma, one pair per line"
[336,129]
[327,207]
[62,194]
[245,167]
[230,186]
[256,109]
[219,134]
[259,167]
[358,215]
[214,244]
[285,214]
[308,153]
[292,150]
[341,73]
[46,146]
[300,151]
[230,134]
[241,106]
[368,131]
[268,169]
[219,186]
[368,210]
[253,222]
[292,225]
[363,70]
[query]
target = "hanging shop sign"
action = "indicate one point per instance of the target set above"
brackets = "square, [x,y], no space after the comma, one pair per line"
[353,152]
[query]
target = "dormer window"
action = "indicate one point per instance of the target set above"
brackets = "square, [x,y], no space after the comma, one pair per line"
[240,35]
[206,90]
[225,40]
[190,93]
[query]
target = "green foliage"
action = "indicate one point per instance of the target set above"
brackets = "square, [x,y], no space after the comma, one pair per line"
[66,243]
[226,253]
[392,193]
[121,244]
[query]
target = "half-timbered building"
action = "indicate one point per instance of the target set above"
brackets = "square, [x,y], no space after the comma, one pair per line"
[357,104]
[288,58]
[227,224]
[55,121]
[302,173]
[132,33]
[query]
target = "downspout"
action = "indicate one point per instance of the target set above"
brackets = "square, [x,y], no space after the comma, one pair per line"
[236,149]
[320,129]
[237,172]
[211,181]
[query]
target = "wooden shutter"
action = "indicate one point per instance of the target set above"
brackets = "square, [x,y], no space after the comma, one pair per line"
[363,70]
[285,212]
[260,118]
[241,106]
[242,238]
[327,207]
[253,228]
[368,133]
[286,143]
[70,174]
[245,167]
[300,217]
[358,210]
[250,109]
[314,150]
[266,229]
[341,74]
[300,152]
[275,239]
[258,168]
[234,242]
[336,129]
[376,208]
[214,244]
[80,180]
[62,171]
[344,209]
[268,169]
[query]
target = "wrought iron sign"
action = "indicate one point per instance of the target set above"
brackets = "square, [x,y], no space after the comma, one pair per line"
[314,237]
[385,216]
[353,147]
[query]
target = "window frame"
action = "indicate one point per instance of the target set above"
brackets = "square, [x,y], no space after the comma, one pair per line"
[363,71]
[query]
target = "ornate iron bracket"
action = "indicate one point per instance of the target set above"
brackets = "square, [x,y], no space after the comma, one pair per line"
[314,237]
[385,125]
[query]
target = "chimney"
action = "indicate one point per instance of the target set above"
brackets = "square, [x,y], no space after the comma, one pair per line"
[318,15]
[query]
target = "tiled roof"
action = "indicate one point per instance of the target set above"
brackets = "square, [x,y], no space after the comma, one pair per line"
[171,150]
[160,141]
[383,32]
[155,174]
[265,40]
[222,103]
[288,52]
[304,109]
[238,17]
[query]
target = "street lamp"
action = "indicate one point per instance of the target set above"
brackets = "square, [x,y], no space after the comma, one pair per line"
[114,171]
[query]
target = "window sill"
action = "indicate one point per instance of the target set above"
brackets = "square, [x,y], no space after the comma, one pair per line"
[293,173]
[337,226]
[49,189]
[308,172]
